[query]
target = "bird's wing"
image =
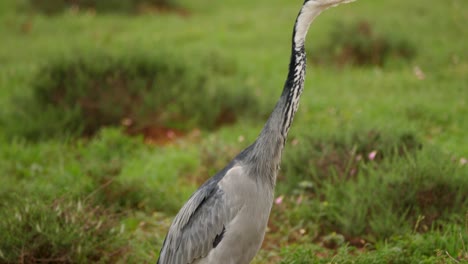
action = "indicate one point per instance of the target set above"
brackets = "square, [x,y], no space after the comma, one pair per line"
[200,224]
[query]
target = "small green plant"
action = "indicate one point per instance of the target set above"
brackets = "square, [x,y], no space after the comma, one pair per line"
[300,255]
[358,44]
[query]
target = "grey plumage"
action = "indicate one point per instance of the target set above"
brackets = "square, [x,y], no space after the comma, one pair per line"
[224,221]
[195,227]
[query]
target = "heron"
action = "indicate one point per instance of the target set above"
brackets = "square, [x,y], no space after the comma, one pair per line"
[225,220]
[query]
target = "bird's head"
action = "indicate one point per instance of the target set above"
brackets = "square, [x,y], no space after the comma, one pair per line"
[309,11]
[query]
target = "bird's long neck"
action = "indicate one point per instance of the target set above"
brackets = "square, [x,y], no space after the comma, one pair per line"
[267,149]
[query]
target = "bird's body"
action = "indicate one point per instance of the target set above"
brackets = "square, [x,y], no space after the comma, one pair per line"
[224,221]
[237,200]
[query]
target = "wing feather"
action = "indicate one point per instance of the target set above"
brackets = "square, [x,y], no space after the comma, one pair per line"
[197,224]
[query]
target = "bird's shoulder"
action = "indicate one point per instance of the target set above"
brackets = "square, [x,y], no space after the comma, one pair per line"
[210,195]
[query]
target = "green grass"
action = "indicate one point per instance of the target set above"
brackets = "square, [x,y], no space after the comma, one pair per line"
[374,170]
[411,248]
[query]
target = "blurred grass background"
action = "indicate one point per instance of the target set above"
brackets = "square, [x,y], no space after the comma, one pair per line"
[113,112]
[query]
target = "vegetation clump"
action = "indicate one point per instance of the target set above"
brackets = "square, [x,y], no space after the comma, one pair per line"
[339,158]
[375,186]
[109,6]
[358,44]
[62,231]
[143,93]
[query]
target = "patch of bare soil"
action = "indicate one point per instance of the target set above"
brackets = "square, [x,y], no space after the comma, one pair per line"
[158,135]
